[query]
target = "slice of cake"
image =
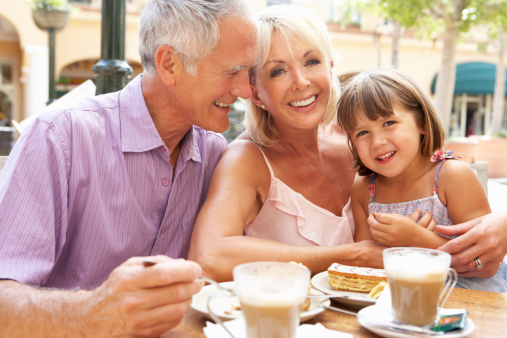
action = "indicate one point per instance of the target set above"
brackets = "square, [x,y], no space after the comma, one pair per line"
[354,278]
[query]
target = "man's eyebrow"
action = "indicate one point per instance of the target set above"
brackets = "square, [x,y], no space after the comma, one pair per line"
[236,68]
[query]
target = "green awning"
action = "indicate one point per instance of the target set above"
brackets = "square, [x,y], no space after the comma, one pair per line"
[473,78]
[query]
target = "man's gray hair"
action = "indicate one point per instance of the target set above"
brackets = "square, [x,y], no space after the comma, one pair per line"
[190,27]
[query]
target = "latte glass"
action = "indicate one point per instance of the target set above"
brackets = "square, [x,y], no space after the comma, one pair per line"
[420,281]
[270,294]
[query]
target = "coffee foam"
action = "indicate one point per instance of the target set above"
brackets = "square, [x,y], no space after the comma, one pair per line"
[416,266]
[271,294]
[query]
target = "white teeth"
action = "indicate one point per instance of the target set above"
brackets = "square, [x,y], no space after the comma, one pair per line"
[303,102]
[385,156]
[221,105]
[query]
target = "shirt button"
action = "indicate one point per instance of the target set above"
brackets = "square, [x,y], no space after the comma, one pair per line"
[161,149]
[165,182]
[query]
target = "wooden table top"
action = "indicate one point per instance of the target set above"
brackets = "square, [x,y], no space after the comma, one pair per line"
[488,311]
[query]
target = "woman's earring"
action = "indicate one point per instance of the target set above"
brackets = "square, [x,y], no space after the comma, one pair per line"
[263,107]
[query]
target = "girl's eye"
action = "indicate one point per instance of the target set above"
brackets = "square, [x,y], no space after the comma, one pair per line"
[389,123]
[313,62]
[276,72]
[361,133]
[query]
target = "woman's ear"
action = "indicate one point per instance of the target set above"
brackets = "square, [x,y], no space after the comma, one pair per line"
[255,97]
[167,64]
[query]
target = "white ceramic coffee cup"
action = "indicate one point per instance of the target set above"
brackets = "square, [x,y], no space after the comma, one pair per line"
[420,281]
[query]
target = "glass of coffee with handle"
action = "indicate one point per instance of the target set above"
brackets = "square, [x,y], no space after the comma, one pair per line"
[420,281]
[270,296]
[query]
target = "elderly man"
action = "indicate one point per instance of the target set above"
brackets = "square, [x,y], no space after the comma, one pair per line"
[90,190]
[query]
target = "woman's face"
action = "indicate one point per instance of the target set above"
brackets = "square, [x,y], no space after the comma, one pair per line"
[293,85]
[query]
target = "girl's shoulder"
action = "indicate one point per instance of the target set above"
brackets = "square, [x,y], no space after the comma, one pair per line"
[455,172]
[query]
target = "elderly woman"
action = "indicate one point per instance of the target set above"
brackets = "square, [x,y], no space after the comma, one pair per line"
[286,183]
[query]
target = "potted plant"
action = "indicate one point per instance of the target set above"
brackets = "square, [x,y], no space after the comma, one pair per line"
[50,13]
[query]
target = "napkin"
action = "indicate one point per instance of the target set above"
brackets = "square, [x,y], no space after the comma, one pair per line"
[237,328]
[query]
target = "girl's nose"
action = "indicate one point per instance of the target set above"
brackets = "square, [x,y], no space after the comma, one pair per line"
[378,139]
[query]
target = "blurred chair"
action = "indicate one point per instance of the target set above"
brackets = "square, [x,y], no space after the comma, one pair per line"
[85,89]
[481,169]
[3,159]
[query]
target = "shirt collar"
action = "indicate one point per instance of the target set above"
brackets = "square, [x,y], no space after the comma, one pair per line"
[138,131]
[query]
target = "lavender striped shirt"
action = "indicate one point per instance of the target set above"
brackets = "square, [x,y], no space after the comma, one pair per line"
[90,186]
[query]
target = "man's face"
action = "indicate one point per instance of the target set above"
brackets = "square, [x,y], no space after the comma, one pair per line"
[222,77]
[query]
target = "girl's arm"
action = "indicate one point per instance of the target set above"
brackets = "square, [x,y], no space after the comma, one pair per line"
[462,192]
[234,200]
[359,205]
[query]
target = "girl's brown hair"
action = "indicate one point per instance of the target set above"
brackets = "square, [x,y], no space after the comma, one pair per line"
[376,93]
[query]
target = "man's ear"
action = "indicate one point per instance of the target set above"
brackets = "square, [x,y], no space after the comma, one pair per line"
[167,63]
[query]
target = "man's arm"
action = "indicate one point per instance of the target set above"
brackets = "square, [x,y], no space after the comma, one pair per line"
[133,301]
[484,238]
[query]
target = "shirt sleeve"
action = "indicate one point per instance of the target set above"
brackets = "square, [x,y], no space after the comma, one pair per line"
[33,204]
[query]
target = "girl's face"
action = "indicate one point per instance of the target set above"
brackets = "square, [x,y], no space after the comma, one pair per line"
[293,85]
[388,145]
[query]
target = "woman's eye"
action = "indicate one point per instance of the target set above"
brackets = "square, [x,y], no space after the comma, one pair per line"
[313,62]
[276,72]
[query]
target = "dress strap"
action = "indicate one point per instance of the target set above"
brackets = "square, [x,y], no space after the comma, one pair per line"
[435,180]
[371,187]
[267,162]
[441,157]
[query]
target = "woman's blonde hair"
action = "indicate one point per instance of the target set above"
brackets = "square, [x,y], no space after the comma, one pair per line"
[289,22]
[376,93]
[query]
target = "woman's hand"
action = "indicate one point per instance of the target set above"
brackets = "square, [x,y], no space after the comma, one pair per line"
[484,238]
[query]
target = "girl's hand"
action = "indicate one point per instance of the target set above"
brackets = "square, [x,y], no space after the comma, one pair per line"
[395,229]
[427,221]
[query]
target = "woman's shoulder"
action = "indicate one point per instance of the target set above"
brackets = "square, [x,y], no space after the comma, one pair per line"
[242,150]
[242,164]
[245,156]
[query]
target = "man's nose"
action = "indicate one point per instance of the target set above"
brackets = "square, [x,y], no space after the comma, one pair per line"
[242,86]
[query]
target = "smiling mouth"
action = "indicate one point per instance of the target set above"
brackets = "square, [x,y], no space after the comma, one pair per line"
[221,105]
[303,103]
[386,156]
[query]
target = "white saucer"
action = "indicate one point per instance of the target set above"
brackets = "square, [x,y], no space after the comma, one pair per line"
[222,304]
[356,300]
[380,314]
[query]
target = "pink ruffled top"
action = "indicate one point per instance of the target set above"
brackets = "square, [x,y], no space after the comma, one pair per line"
[288,217]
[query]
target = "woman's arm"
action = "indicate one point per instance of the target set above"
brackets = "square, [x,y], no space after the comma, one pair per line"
[237,190]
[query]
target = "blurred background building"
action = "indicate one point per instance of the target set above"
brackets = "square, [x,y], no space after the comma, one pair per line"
[362,39]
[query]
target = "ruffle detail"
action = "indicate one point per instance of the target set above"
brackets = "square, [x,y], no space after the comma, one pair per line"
[324,229]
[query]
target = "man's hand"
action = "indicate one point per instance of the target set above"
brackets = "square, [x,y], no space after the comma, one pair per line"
[146,301]
[134,301]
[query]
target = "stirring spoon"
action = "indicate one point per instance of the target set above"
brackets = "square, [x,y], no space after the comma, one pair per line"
[149,262]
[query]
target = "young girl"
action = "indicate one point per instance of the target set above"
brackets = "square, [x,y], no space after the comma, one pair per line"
[393,132]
